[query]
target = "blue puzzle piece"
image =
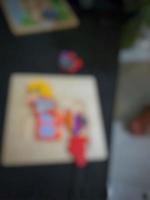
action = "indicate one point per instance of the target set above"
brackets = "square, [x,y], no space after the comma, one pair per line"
[44,104]
[47,131]
[46,118]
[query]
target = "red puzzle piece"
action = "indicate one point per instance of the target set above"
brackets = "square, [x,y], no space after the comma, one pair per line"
[77,147]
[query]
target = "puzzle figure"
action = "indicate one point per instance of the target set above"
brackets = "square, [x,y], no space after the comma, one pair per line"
[49,119]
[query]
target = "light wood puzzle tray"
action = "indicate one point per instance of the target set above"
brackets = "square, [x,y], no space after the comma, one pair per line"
[19,145]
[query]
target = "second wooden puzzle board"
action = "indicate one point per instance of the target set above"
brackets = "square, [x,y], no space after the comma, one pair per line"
[33,16]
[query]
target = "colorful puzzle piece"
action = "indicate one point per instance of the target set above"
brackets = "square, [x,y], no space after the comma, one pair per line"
[70,62]
[77,148]
[47,118]
[77,125]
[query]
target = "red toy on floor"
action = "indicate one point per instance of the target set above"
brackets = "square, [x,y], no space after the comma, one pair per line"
[141,124]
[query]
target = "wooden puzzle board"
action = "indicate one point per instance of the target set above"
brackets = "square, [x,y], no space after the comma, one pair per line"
[14,12]
[19,145]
